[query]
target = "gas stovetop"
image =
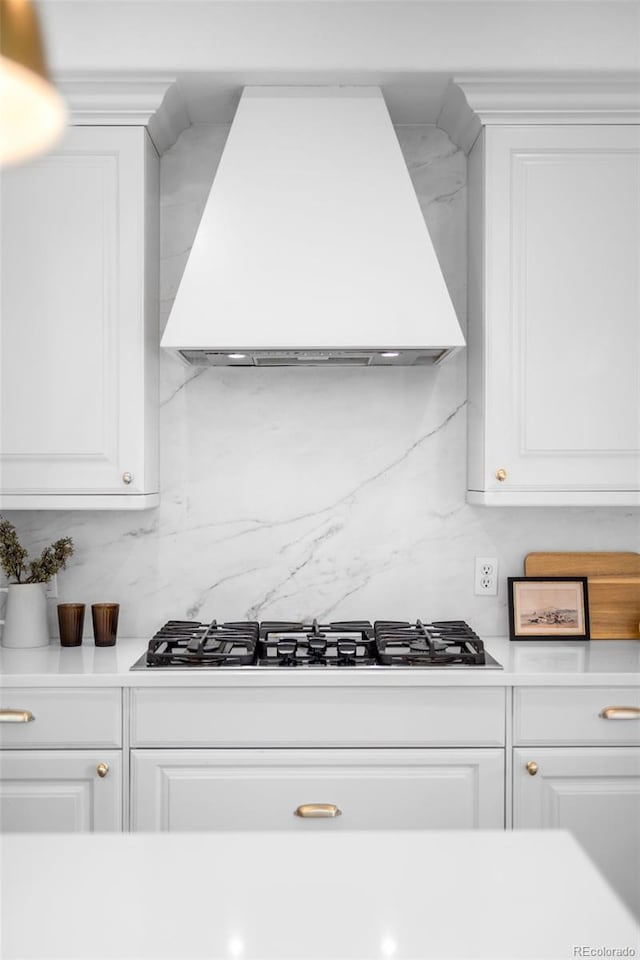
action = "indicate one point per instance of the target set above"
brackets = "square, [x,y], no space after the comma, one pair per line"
[185,644]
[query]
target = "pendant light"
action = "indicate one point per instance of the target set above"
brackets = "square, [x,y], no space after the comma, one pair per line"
[32,113]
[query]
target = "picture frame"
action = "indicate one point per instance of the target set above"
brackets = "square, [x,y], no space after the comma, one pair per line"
[548,608]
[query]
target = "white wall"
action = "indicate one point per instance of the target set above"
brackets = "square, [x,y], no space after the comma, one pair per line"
[297,493]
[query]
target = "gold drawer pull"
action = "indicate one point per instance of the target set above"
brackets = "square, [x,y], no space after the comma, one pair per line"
[317,810]
[532,768]
[501,474]
[102,769]
[16,716]
[620,713]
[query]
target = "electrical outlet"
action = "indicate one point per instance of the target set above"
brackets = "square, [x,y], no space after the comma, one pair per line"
[51,588]
[486,577]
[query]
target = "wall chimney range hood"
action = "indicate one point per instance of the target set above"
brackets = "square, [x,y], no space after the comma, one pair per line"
[312,248]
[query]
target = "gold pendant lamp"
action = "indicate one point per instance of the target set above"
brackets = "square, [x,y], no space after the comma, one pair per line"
[32,113]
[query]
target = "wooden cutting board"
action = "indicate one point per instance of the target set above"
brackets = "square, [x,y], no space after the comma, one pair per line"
[614,588]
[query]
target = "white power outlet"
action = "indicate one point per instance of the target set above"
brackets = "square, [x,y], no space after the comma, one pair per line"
[486,577]
[51,588]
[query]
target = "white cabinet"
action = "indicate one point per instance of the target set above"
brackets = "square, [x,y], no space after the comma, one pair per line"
[389,757]
[64,791]
[553,334]
[263,789]
[555,716]
[593,791]
[61,717]
[317,716]
[79,333]
[61,759]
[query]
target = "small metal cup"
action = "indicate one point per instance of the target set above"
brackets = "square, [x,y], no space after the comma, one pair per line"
[71,623]
[105,623]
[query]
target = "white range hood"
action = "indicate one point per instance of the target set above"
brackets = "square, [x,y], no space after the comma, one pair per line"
[312,248]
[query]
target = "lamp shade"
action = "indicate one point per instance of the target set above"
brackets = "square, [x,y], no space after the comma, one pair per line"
[32,113]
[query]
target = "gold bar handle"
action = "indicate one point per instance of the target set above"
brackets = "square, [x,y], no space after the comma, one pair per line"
[620,713]
[317,810]
[16,716]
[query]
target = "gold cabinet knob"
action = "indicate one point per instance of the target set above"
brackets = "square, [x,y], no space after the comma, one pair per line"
[127,477]
[102,769]
[532,768]
[501,474]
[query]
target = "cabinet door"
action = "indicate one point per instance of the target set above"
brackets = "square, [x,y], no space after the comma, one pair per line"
[79,324]
[554,338]
[594,793]
[62,791]
[261,789]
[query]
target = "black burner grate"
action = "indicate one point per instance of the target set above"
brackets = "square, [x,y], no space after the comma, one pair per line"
[437,644]
[340,644]
[182,642]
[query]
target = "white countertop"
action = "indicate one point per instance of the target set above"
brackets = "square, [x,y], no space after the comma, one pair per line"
[526,663]
[261,896]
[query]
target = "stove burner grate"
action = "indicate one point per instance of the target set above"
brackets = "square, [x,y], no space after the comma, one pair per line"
[338,644]
[436,644]
[181,642]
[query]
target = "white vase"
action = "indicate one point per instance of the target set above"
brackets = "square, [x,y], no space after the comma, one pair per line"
[25,621]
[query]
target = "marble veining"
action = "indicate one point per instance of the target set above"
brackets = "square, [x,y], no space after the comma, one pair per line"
[291,493]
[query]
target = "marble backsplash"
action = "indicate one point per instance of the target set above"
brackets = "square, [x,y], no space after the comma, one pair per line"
[296,493]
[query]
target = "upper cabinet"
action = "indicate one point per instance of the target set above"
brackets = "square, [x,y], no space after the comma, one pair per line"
[554,315]
[79,343]
[554,307]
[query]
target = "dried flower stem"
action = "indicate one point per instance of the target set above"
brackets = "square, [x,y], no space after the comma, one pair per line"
[14,562]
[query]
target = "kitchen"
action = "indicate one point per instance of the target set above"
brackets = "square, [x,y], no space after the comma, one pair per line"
[341,492]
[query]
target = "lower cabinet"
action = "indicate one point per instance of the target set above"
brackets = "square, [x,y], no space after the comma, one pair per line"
[595,793]
[317,789]
[66,791]
[61,759]
[576,767]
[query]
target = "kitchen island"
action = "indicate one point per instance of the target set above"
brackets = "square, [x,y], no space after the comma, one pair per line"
[271,896]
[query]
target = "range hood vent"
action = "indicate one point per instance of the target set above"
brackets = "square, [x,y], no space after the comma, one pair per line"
[311,358]
[312,248]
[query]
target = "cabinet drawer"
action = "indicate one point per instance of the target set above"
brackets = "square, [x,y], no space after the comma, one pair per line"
[63,718]
[562,715]
[262,789]
[318,716]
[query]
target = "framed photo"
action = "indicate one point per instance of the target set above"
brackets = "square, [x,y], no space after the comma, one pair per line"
[548,608]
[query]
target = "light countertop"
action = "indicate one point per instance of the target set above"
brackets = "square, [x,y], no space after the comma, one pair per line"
[267,895]
[525,663]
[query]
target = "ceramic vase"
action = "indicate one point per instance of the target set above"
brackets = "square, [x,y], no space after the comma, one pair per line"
[25,621]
